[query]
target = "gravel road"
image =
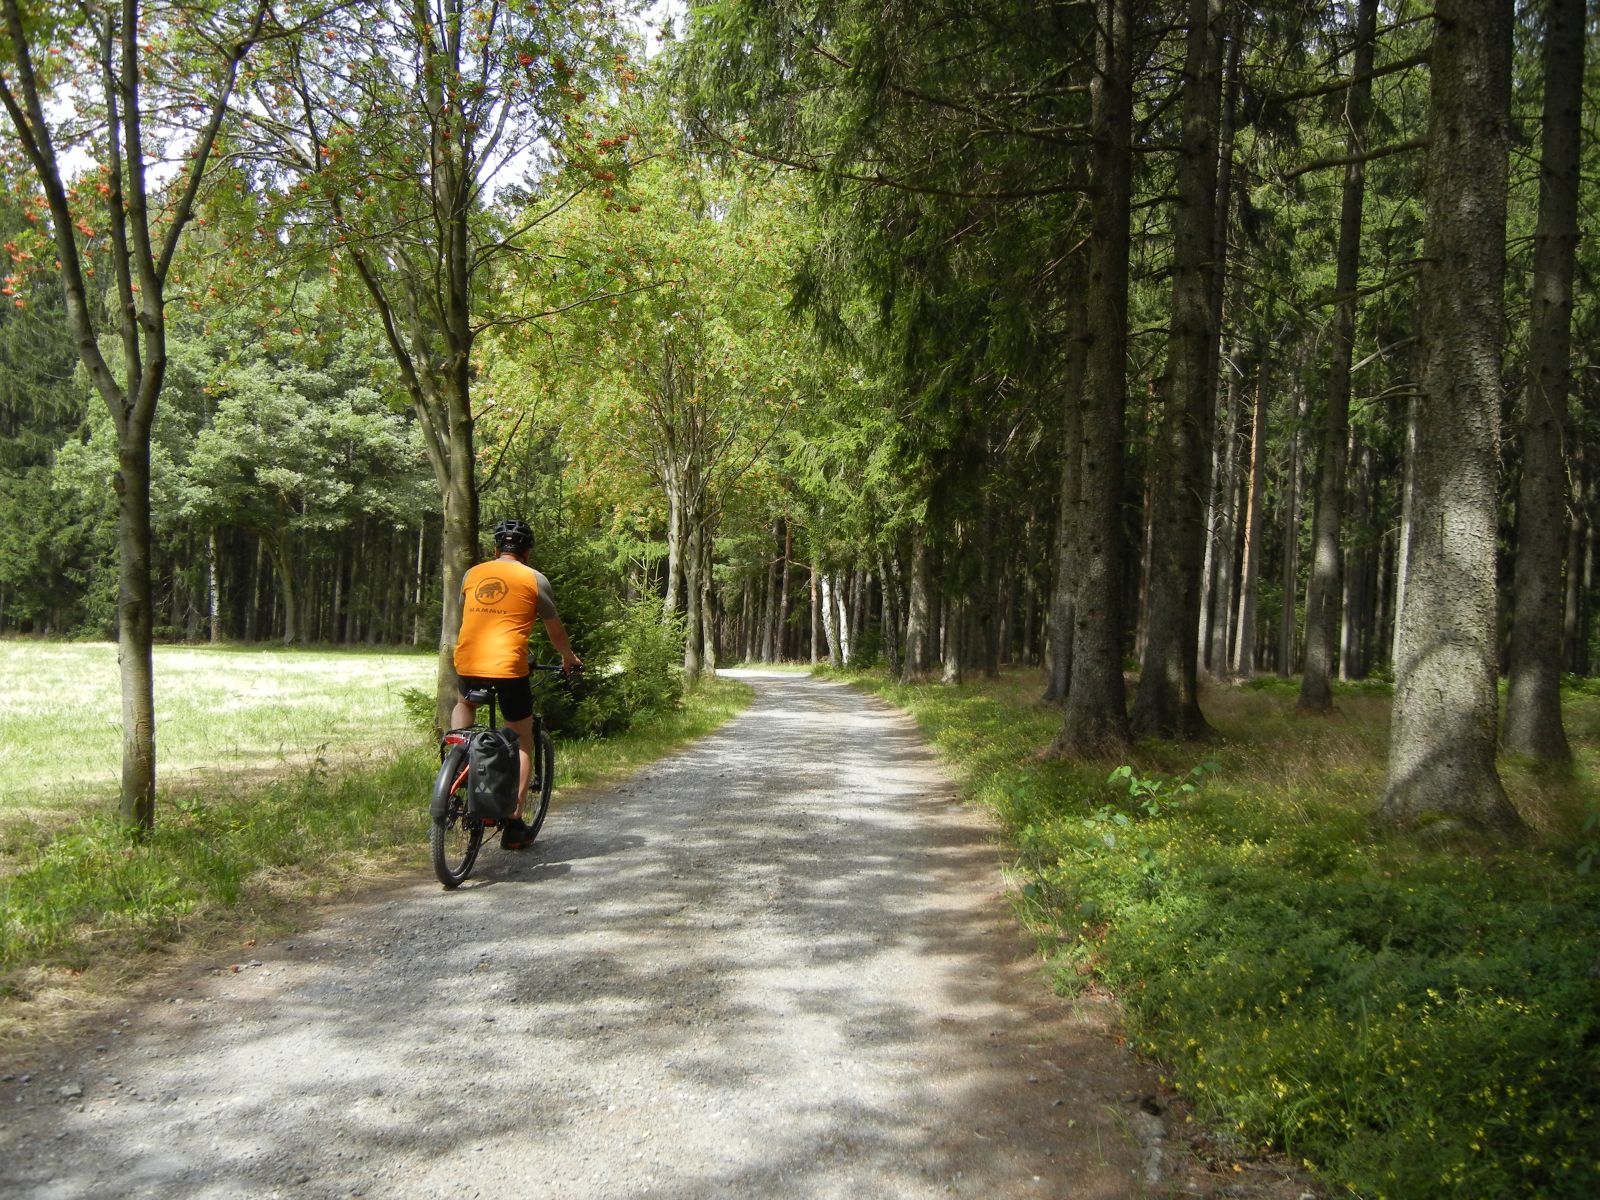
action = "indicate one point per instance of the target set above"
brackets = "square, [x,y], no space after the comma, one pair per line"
[778,964]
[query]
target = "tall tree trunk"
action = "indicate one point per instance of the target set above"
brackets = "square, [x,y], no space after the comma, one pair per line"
[1167,701]
[918,619]
[1290,579]
[1096,721]
[459,547]
[783,591]
[286,586]
[1244,642]
[1402,552]
[707,599]
[675,540]
[135,625]
[1355,620]
[213,588]
[888,568]
[1226,531]
[1322,597]
[252,612]
[769,604]
[1442,751]
[1574,629]
[693,634]
[830,619]
[816,618]
[1533,694]
[955,644]
[1058,670]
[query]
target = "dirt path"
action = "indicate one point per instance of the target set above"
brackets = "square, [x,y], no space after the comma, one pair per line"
[776,965]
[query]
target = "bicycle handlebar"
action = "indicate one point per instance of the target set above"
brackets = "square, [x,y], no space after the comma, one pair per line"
[556,667]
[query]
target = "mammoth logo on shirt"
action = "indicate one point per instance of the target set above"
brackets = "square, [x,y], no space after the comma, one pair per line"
[490,591]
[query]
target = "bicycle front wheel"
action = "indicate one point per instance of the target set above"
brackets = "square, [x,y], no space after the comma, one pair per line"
[539,783]
[454,837]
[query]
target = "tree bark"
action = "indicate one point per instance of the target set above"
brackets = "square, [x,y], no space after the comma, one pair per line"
[1533,694]
[918,617]
[1290,579]
[783,591]
[1167,700]
[1322,597]
[955,642]
[213,589]
[815,617]
[1225,535]
[1244,642]
[693,639]
[1354,619]
[830,619]
[1574,626]
[707,600]
[1442,752]
[1096,721]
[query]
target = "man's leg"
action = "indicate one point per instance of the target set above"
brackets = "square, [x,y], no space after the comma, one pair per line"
[463,714]
[524,730]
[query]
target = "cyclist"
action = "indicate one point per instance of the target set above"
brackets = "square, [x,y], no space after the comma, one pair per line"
[500,599]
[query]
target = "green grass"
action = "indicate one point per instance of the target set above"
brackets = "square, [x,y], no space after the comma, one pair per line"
[251,710]
[80,896]
[1412,1021]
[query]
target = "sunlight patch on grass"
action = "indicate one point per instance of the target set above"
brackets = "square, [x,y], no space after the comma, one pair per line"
[218,710]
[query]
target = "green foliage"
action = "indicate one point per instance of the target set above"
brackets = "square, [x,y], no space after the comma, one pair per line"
[1411,1023]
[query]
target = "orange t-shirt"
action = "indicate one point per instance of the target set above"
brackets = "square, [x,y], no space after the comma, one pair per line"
[499,601]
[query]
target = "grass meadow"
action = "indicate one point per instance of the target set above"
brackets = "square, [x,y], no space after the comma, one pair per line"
[1408,1018]
[283,776]
[222,713]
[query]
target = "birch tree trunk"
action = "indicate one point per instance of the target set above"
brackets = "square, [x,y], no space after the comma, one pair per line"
[830,619]
[213,589]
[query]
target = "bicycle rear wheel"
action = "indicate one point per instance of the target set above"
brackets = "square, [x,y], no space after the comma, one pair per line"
[454,837]
[539,783]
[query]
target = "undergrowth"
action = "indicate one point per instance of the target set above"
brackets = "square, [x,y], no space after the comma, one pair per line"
[1410,1021]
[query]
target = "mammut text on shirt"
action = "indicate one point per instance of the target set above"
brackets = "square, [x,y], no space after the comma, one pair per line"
[499,600]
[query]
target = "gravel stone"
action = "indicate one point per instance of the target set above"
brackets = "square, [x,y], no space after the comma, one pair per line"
[777,965]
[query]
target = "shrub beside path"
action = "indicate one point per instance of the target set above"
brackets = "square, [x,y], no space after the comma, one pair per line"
[778,964]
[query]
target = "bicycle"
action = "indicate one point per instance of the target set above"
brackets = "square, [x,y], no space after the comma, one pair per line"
[456,835]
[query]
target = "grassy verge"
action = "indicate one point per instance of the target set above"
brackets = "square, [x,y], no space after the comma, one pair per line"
[1412,1021]
[82,897]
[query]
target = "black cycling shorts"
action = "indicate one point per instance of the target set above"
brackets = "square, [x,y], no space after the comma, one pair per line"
[515,695]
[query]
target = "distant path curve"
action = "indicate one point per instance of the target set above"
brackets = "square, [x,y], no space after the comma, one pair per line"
[778,964]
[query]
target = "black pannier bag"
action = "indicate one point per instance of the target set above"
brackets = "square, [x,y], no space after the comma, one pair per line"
[493,774]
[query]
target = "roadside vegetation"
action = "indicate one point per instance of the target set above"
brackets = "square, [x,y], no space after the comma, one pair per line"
[279,814]
[1406,1017]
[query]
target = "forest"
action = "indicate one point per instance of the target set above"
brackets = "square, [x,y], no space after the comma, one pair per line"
[1172,355]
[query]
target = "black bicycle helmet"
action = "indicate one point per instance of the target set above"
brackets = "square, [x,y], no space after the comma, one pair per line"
[512,535]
